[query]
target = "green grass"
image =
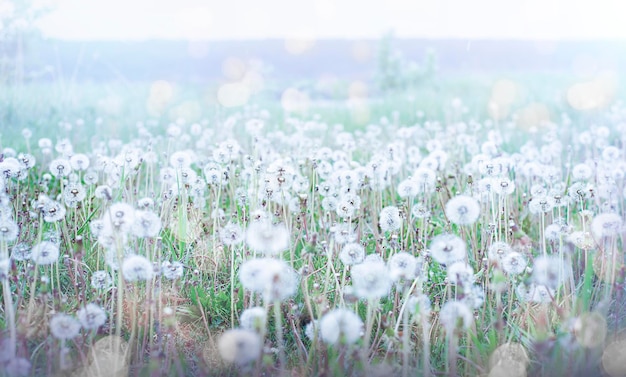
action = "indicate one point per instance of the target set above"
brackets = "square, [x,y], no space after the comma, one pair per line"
[172,344]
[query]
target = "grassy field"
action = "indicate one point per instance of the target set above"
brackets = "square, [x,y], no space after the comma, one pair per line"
[154,232]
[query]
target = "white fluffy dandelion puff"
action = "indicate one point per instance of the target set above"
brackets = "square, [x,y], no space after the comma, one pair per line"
[462,210]
[239,346]
[514,263]
[45,253]
[101,280]
[91,316]
[389,219]
[371,280]
[136,268]
[146,224]
[447,249]
[403,266]
[606,225]
[455,315]
[352,253]
[273,278]
[340,326]
[63,326]
[231,234]
[267,238]
[253,318]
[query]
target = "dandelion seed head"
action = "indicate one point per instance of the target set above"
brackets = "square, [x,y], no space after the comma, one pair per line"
[60,167]
[10,168]
[120,216]
[455,315]
[408,188]
[343,233]
[101,280]
[447,249]
[172,270]
[425,178]
[460,273]
[239,346]
[371,280]
[420,211]
[403,266]
[45,253]
[9,230]
[146,224]
[340,326]
[53,211]
[514,263]
[267,238]
[311,329]
[232,234]
[389,219]
[91,316]
[73,194]
[352,253]
[534,293]
[253,319]
[17,367]
[273,278]
[498,250]
[419,306]
[21,252]
[181,159]
[474,297]
[462,210]
[606,225]
[137,268]
[79,162]
[549,271]
[64,327]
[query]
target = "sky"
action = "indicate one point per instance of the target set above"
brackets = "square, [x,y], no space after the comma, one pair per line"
[317,19]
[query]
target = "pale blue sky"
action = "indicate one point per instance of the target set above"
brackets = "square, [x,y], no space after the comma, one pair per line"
[253,19]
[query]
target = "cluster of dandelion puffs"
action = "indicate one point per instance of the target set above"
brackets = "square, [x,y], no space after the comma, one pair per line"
[424,218]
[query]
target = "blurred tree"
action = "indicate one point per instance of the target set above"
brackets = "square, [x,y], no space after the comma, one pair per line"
[17,26]
[396,72]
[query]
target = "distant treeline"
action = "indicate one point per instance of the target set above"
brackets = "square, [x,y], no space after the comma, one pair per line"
[200,62]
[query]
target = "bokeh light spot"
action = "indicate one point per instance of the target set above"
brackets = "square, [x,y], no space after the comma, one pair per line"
[357,90]
[508,368]
[161,93]
[294,100]
[254,81]
[233,68]
[299,43]
[594,94]
[188,110]
[533,115]
[233,94]
[614,358]
[509,352]
[590,329]
[504,91]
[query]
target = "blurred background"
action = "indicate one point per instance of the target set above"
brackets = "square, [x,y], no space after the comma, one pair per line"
[180,57]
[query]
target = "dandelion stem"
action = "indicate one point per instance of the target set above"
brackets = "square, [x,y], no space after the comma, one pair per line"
[279,336]
[8,304]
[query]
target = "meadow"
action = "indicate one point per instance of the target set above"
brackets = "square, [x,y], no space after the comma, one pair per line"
[462,229]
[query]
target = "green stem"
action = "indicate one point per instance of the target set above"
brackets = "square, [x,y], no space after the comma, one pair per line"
[279,336]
